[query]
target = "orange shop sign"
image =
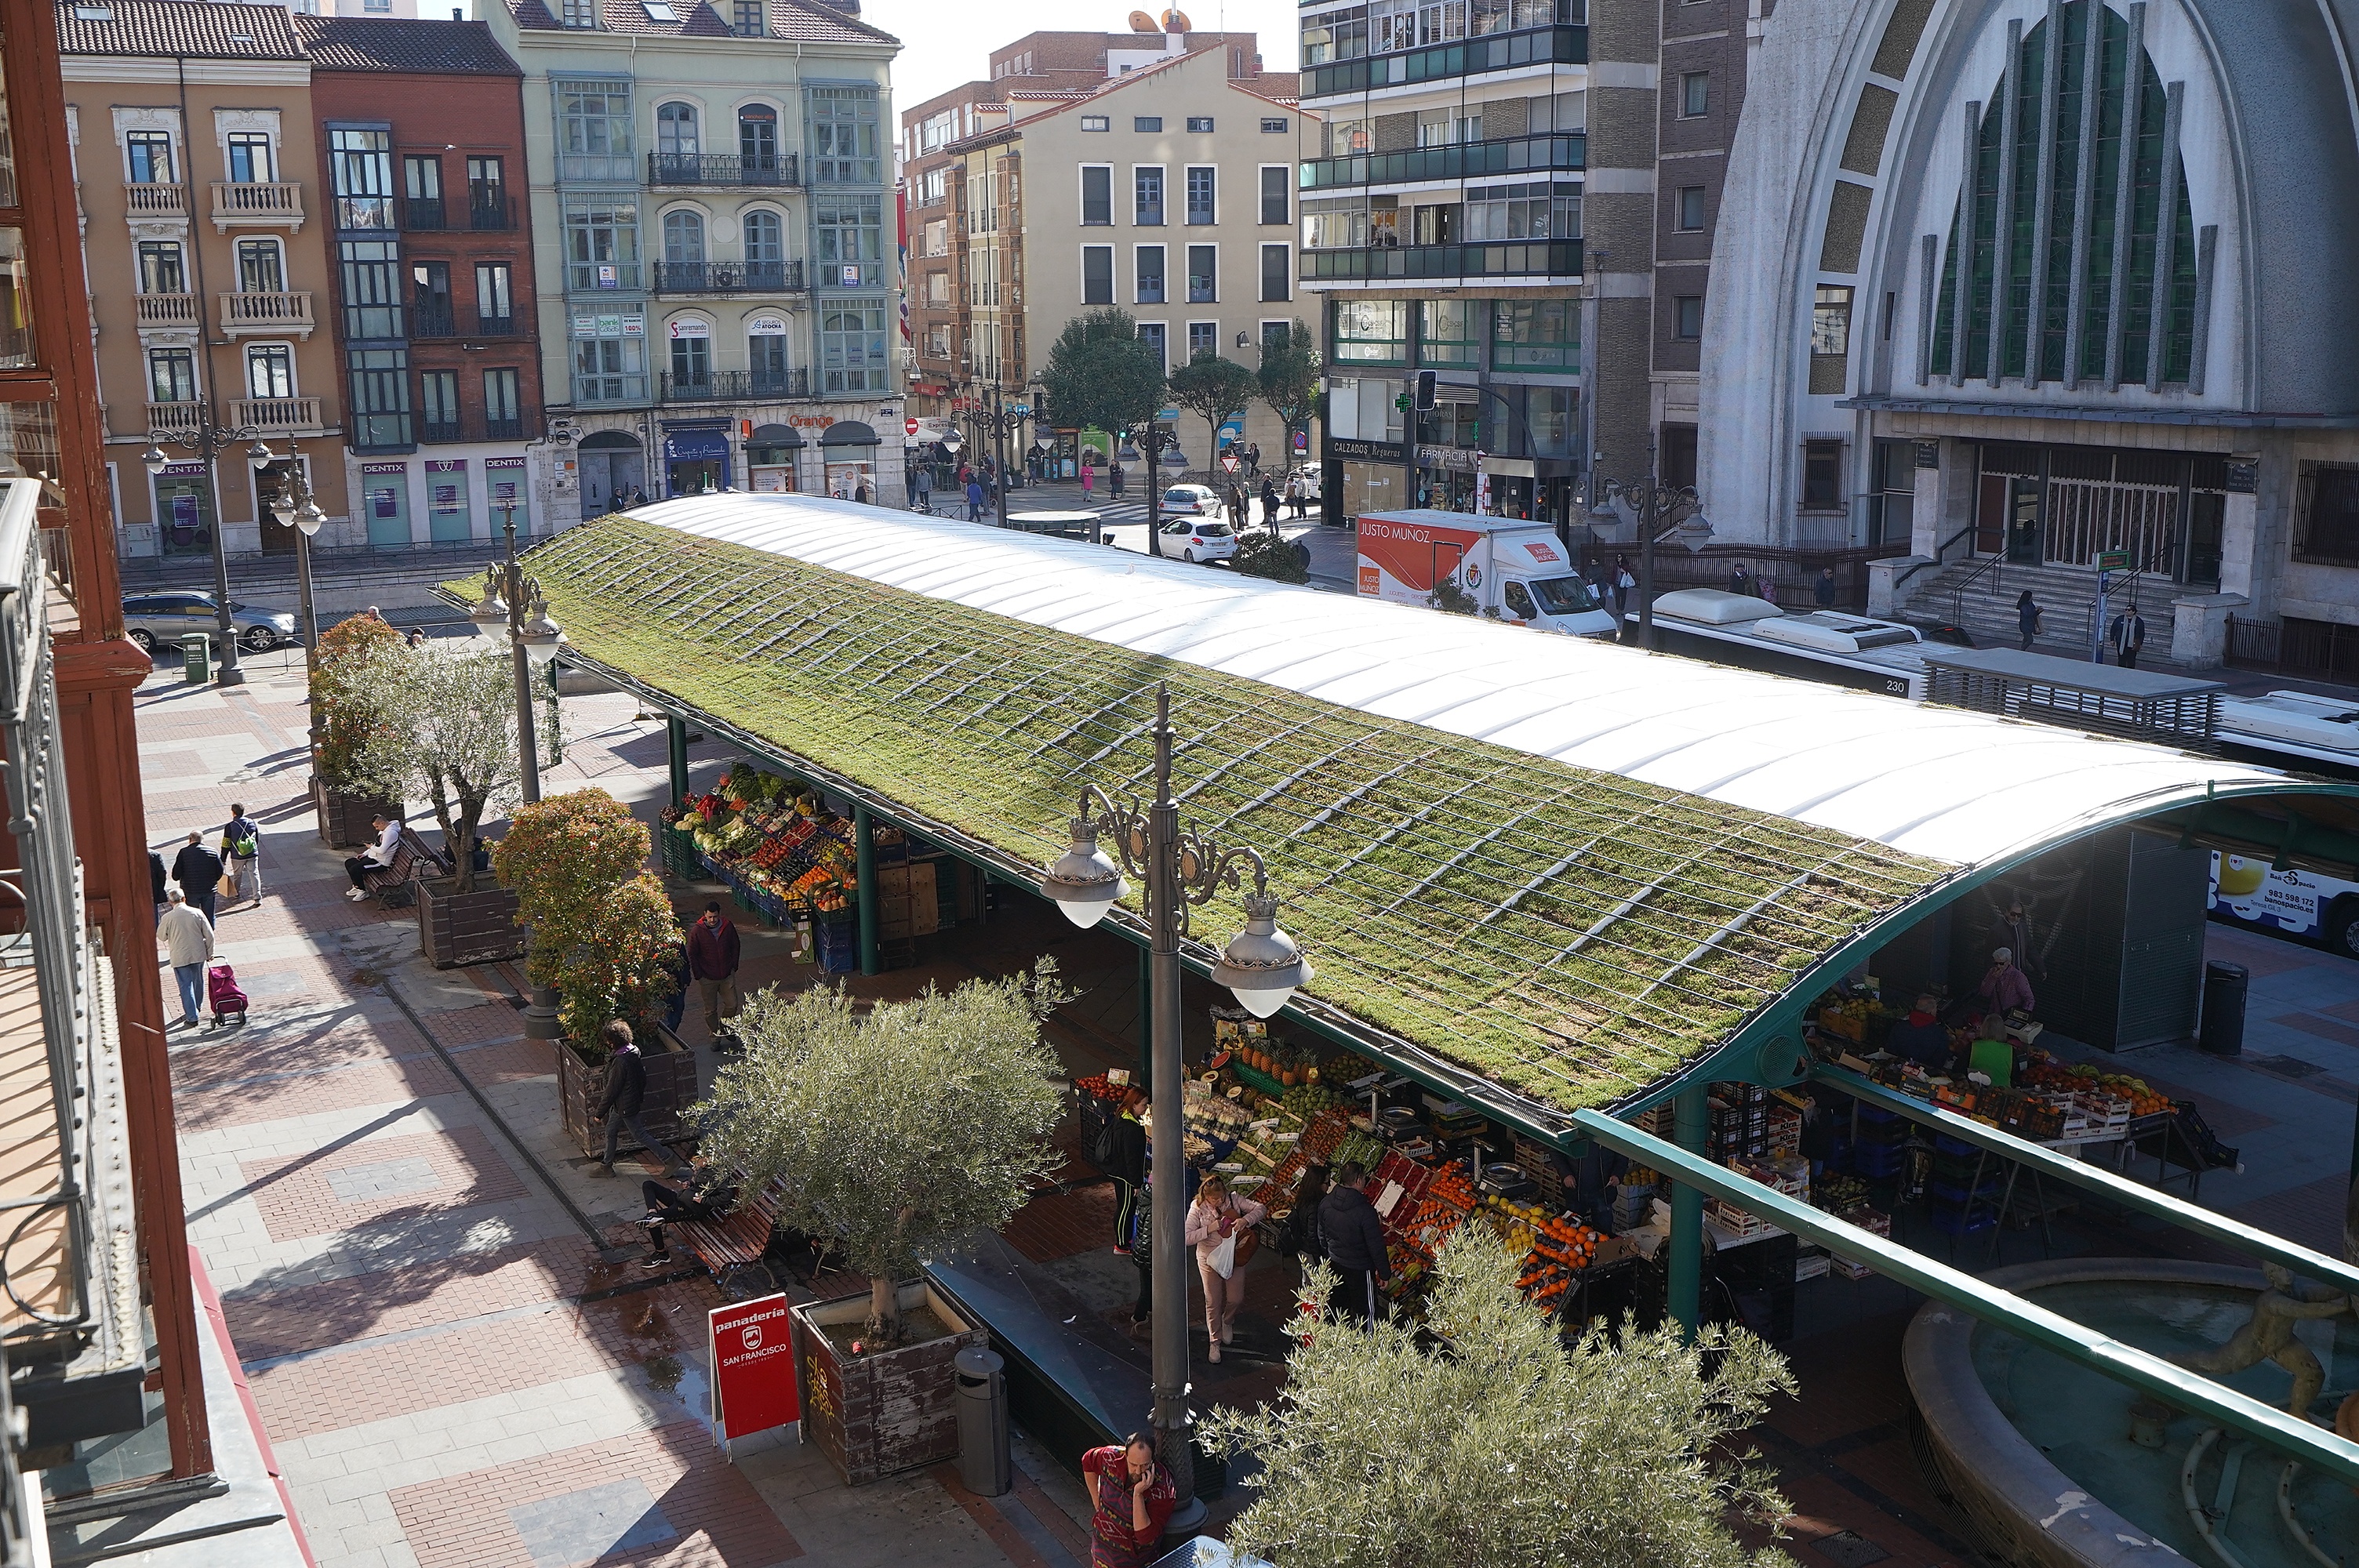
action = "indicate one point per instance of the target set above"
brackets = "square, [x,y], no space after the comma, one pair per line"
[811,421]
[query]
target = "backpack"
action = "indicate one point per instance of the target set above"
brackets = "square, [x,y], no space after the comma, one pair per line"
[1098,1132]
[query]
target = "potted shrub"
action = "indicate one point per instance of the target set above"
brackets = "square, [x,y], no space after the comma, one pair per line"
[446,730]
[893,1136]
[343,721]
[601,934]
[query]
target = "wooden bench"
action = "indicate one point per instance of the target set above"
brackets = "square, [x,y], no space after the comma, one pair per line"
[414,860]
[737,1240]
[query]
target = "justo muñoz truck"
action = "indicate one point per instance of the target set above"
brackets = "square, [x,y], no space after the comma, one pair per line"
[1514,570]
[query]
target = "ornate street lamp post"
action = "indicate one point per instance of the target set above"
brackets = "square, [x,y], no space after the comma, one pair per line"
[533,641]
[296,508]
[206,443]
[1664,512]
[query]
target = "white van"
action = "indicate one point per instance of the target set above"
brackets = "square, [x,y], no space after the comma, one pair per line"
[1515,570]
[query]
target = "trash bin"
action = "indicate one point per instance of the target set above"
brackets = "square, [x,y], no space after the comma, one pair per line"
[196,658]
[2224,1009]
[983,1422]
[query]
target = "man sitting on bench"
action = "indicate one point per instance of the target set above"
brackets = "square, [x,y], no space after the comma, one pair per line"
[707,1195]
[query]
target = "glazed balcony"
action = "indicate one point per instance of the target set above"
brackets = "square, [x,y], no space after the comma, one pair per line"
[1447,62]
[1564,152]
[1384,264]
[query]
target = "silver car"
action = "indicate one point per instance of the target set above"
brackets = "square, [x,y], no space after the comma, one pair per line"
[153,619]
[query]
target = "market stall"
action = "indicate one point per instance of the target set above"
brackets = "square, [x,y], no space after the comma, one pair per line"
[783,855]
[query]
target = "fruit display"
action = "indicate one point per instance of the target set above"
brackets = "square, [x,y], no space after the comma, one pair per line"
[2045,1072]
[772,841]
[1835,1194]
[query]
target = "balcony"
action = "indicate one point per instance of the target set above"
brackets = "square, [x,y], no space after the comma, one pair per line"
[278,415]
[424,215]
[174,418]
[1563,154]
[722,168]
[266,315]
[1517,258]
[251,204]
[1446,63]
[489,214]
[427,320]
[729,277]
[443,434]
[177,311]
[733,387]
[156,200]
[495,326]
[503,429]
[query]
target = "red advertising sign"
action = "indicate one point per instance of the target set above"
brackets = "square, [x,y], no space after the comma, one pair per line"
[753,1367]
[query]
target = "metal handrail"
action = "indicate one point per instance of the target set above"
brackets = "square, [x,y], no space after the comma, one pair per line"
[1992,566]
[1940,559]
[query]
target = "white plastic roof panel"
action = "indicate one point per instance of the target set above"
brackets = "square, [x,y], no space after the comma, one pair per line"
[1958,786]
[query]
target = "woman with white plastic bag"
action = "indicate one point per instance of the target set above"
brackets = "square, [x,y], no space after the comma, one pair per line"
[1220,1228]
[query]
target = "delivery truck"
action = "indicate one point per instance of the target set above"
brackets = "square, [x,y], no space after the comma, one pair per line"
[1514,570]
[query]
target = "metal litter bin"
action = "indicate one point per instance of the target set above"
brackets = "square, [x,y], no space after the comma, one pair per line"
[196,659]
[2224,986]
[983,1422]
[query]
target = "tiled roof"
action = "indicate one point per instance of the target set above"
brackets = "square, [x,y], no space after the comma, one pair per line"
[192,28]
[366,43]
[802,21]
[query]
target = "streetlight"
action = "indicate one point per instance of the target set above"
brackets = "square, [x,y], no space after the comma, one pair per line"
[998,423]
[296,508]
[1664,512]
[207,442]
[1261,965]
[532,641]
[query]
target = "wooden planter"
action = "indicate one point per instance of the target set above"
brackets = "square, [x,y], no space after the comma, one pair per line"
[344,818]
[476,928]
[878,1415]
[671,1089]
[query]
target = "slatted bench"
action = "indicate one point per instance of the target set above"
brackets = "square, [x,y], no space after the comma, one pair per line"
[737,1241]
[414,860]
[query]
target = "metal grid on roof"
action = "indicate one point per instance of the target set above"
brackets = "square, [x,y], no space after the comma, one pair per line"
[1572,936]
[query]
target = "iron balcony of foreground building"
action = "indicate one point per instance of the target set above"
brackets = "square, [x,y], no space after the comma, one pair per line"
[76,1349]
[735,386]
[723,168]
[1565,153]
[1445,62]
[729,277]
[1513,258]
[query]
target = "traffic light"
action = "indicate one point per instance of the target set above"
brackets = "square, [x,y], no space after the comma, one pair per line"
[1424,391]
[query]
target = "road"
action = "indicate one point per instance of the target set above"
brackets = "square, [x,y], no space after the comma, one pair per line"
[1333,553]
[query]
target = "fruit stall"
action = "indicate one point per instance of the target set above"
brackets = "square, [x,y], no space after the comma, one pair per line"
[783,855]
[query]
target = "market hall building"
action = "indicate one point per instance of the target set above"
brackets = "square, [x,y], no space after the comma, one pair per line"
[2047,282]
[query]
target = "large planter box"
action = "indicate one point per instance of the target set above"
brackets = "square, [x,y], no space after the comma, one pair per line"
[671,1089]
[344,818]
[476,928]
[878,1415]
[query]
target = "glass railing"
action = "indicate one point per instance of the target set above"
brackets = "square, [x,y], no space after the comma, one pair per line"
[1522,258]
[1441,62]
[1566,152]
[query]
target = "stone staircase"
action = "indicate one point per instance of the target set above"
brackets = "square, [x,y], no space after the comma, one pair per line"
[1979,597]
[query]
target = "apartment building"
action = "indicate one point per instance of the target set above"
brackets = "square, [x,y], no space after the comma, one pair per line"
[710,198]
[1441,229]
[421,131]
[199,169]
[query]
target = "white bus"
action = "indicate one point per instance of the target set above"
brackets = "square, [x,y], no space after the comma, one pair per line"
[2297,903]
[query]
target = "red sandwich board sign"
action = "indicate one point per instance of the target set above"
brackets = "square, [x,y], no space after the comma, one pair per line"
[753,1367]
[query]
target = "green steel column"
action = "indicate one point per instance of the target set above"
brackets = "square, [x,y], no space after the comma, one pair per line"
[863,850]
[1692,1122]
[676,742]
[1146,1023]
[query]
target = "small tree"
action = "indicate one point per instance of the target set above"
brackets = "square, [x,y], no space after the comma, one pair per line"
[573,861]
[1289,379]
[345,721]
[446,730]
[1100,376]
[899,1134]
[1493,1448]
[620,970]
[1213,389]
[1270,554]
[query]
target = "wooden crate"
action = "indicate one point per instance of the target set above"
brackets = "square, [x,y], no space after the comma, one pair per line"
[908,904]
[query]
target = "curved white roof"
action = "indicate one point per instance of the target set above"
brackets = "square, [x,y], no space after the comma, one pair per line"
[1944,783]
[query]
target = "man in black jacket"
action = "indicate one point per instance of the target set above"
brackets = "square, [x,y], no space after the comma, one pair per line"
[198,871]
[625,1091]
[1355,1245]
[707,1195]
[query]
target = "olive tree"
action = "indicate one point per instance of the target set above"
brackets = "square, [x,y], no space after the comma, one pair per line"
[1484,1445]
[899,1133]
[445,732]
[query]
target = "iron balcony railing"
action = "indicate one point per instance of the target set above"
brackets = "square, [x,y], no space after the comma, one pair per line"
[722,168]
[432,320]
[1563,152]
[734,385]
[729,277]
[1513,258]
[425,213]
[1443,62]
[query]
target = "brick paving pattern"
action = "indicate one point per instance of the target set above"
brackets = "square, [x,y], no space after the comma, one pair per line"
[267,1325]
[299,1197]
[487,1024]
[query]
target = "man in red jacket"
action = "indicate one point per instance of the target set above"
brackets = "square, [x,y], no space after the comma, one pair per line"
[712,960]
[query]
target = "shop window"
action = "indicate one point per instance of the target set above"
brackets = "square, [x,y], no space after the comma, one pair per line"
[2326,525]
[1451,332]
[1822,476]
[1371,331]
[1540,334]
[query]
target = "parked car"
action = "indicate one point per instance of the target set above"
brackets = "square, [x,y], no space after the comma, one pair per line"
[1192,500]
[1202,539]
[151,618]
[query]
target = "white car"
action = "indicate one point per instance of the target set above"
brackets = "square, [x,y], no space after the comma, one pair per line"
[1192,500]
[1201,539]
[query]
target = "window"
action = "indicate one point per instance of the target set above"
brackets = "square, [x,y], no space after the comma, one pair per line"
[765,238]
[1146,195]
[1274,334]
[1675,460]
[1535,212]
[1822,476]
[429,300]
[261,268]
[1274,127]
[602,243]
[2327,508]
[1687,216]
[150,156]
[594,130]
[757,140]
[421,176]
[438,406]
[269,370]
[683,239]
[1451,332]
[495,298]
[171,375]
[487,200]
[1201,189]
[1203,273]
[1538,334]
[851,347]
[609,368]
[1277,200]
[1892,503]
[160,267]
[379,396]
[1202,124]
[1688,317]
[1277,271]
[1097,194]
[1147,123]
[1695,94]
[745,20]
[1096,123]
[676,129]
[372,279]
[360,172]
[1097,274]
[660,10]
[1151,333]
[1831,322]
[938,289]
[1333,231]
[581,13]
[1203,338]
[766,356]
[249,158]
[1371,331]
[1150,274]
[849,235]
[1442,128]
[938,238]
[503,410]
[842,136]
[692,359]
[1549,417]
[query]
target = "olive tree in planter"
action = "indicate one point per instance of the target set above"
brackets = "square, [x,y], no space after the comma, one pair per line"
[446,732]
[344,721]
[895,1136]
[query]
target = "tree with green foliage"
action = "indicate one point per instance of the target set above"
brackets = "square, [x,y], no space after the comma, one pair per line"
[1483,1445]
[1213,389]
[897,1134]
[1289,376]
[1102,377]
[1266,551]
[445,731]
[344,721]
[577,864]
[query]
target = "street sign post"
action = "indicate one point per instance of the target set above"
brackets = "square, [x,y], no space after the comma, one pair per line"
[1229,461]
[753,1364]
[910,427]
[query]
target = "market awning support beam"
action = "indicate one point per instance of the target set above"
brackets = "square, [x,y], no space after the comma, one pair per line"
[1691,1123]
[863,852]
[2115,1188]
[676,746]
[2175,1385]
